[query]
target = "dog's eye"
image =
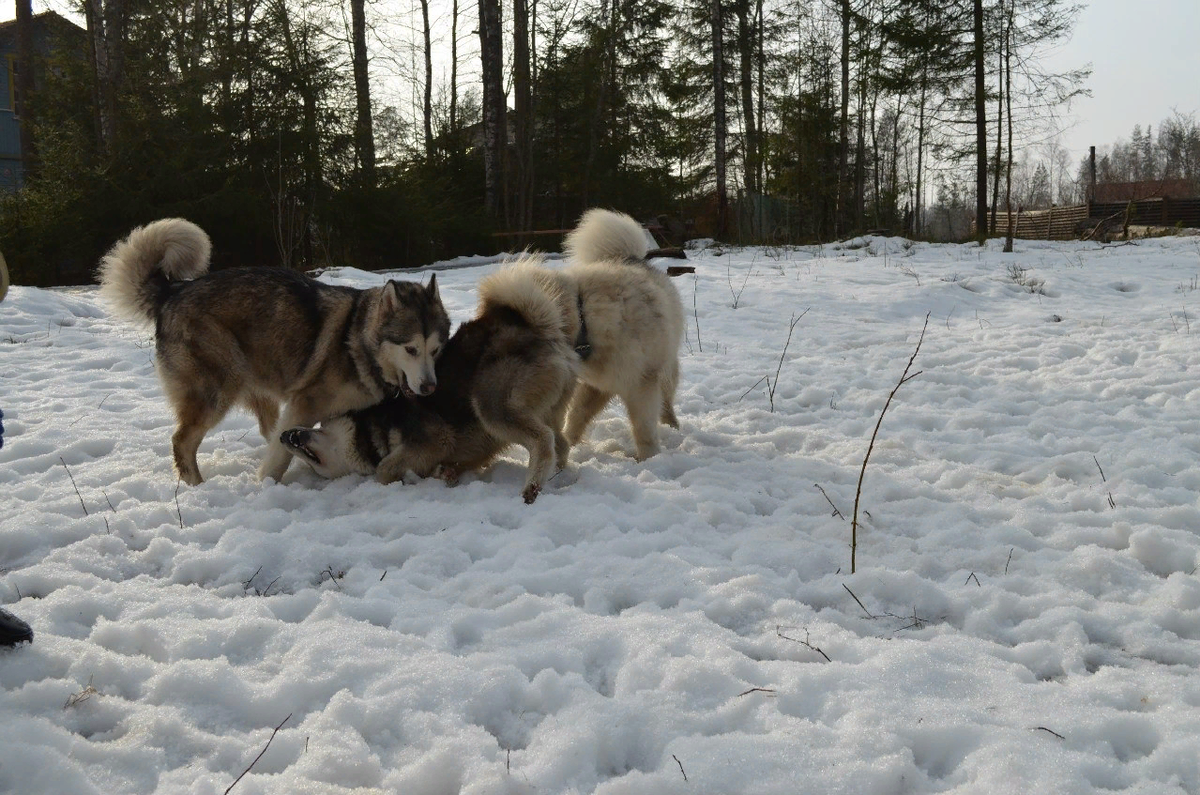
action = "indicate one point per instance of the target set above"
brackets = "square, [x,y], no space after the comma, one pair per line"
[434,351]
[411,350]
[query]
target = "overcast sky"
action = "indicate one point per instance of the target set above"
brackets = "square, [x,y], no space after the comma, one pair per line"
[1145,58]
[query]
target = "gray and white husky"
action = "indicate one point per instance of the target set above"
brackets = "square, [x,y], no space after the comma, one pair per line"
[543,339]
[262,337]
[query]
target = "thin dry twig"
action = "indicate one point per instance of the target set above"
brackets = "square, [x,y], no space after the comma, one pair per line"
[72,477]
[972,576]
[771,385]
[178,511]
[805,643]
[246,584]
[756,383]
[260,753]
[1111,502]
[81,696]
[904,378]
[680,766]
[766,690]
[836,512]
[334,577]
[737,296]
[1044,729]
[860,604]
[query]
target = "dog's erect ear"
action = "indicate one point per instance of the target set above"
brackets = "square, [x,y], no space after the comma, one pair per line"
[432,289]
[389,301]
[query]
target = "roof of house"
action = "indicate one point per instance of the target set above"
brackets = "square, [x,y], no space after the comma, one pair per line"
[46,17]
[1145,189]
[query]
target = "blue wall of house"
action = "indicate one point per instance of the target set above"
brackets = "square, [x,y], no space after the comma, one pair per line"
[10,132]
[49,32]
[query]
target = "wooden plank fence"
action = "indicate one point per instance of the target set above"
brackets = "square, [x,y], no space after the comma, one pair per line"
[1153,212]
[1066,223]
[1056,223]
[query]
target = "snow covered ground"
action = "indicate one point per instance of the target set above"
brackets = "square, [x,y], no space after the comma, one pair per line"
[1025,614]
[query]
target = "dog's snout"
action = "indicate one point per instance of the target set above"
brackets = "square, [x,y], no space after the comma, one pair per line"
[427,387]
[295,437]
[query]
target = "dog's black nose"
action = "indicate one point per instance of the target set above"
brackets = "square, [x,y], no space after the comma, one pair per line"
[428,387]
[294,437]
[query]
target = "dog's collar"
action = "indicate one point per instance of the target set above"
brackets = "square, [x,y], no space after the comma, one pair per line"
[583,347]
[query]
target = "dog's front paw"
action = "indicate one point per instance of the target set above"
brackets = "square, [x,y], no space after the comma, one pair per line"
[387,476]
[449,474]
[531,492]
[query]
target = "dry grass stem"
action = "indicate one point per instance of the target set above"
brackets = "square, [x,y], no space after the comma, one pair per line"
[680,766]
[836,512]
[72,477]
[904,378]
[81,696]
[805,643]
[260,753]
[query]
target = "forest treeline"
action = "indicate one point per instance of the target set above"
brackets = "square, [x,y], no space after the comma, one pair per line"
[748,120]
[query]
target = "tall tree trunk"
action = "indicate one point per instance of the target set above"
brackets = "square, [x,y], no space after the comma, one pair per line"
[364,128]
[606,69]
[454,68]
[522,117]
[860,155]
[115,18]
[491,55]
[746,82]
[299,61]
[1008,238]
[894,190]
[427,101]
[876,206]
[24,85]
[844,123]
[999,125]
[761,148]
[106,29]
[980,129]
[719,125]
[919,198]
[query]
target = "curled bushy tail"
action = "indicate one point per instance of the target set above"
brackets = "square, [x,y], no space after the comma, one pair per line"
[531,290]
[606,235]
[133,272]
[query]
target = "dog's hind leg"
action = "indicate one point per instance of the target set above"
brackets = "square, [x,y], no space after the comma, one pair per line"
[539,441]
[643,404]
[585,405]
[510,424]
[195,416]
[266,409]
[667,381]
[562,446]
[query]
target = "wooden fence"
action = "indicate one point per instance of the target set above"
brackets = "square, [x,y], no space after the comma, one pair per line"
[1065,223]
[1057,223]
[1153,212]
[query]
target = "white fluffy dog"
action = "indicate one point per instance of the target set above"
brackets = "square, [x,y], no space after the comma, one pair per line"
[633,321]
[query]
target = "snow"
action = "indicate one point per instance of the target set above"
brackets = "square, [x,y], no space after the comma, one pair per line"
[1025,614]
